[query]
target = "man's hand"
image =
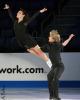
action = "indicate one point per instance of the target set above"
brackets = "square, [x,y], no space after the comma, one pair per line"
[71,36]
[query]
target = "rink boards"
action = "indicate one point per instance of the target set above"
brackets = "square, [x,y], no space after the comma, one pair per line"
[26,70]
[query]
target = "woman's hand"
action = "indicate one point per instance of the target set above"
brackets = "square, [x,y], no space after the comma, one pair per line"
[43,10]
[6,6]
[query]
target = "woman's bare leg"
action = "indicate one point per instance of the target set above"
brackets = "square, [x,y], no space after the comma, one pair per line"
[32,52]
[38,52]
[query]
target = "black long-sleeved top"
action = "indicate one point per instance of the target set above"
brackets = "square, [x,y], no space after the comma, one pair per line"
[54,50]
[21,31]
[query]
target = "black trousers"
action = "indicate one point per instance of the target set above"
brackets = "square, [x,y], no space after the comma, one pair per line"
[53,79]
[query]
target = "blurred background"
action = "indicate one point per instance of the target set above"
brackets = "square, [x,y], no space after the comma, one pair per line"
[63,15]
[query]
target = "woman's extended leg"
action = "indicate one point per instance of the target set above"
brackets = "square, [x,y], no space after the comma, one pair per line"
[38,52]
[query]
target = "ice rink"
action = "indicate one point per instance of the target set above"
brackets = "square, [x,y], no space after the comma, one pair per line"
[37,94]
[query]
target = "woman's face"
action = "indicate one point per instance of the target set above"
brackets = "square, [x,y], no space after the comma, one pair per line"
[20,14]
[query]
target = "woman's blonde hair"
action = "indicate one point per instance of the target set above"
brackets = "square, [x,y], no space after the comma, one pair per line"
[55,35]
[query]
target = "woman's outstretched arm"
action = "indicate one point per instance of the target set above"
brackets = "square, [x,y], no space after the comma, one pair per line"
[7,7]
[34,16]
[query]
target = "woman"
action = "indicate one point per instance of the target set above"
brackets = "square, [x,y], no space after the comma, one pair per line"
[54,47]
[22,35]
